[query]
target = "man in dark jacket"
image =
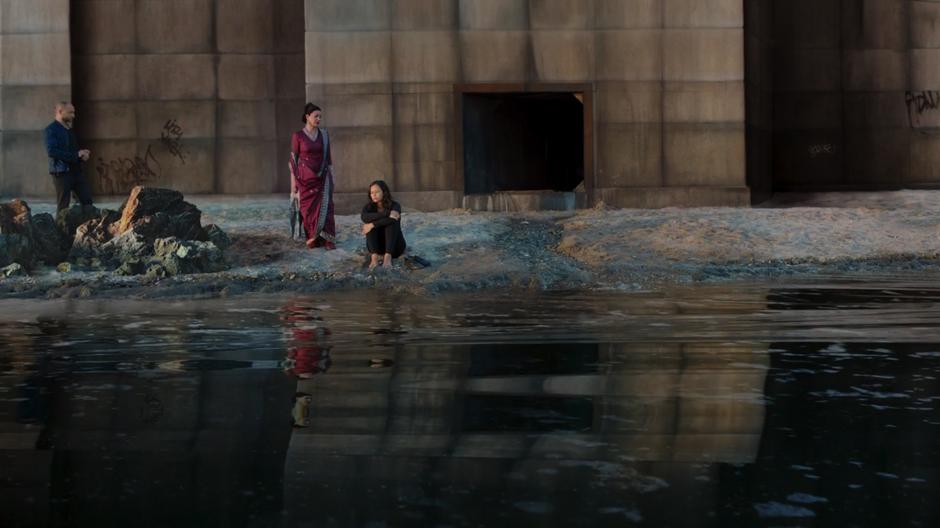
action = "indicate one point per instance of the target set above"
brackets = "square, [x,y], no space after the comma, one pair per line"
[65,158]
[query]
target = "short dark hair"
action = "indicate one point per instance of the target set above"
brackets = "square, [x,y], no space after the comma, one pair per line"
[386,193]
[309,109]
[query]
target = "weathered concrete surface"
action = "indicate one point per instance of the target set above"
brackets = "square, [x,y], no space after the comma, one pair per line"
[373,72]
[854,93]
[202,95]
[35,71]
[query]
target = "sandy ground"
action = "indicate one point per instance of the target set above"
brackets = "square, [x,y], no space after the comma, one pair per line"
[793,235]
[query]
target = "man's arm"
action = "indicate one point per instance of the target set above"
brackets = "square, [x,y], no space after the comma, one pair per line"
[57,148]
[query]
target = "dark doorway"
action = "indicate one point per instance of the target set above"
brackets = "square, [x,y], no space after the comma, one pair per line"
[523,141]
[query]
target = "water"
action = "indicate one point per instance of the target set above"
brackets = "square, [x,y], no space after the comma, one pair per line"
[804,405]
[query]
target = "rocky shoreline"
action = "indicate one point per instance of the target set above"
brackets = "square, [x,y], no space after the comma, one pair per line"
[149,256]
[153,233]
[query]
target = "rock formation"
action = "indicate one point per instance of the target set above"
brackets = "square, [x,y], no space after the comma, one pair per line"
[29,240]
[155,231]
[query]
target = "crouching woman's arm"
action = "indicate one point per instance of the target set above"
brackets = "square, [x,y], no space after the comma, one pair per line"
[372,219]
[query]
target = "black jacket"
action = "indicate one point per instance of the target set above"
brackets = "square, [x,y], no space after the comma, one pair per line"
[372,215]
[62,147]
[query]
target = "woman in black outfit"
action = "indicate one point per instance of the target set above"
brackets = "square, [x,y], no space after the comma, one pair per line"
[381,219]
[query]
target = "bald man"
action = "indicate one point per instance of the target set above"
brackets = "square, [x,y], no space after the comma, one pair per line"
[65,158]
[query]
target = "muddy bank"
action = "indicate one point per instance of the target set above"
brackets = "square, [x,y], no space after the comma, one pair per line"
[620,249]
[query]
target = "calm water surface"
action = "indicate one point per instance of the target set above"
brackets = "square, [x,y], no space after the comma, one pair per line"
[804,405]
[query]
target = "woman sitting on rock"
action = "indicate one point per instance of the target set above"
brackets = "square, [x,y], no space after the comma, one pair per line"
[381,219]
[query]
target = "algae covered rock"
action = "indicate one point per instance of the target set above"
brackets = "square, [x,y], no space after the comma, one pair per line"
[131,267]
[15,248]
[160,213]
[154,230]
[69,219]
[156,271]
[13,270]
[218,237]
[49,243]
[183,257]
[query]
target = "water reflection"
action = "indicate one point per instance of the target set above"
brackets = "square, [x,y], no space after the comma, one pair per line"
[308,350]
[371,412]
[300,412]
[451,425]
[105,421]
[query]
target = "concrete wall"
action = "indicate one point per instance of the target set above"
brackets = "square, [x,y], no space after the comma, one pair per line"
[668,80]
[855,102]
[922,99]
[670,92]
[34,73]
[200,95]
[384,73]
[758,41]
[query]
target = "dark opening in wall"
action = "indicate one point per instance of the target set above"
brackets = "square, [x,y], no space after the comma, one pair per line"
[522,141]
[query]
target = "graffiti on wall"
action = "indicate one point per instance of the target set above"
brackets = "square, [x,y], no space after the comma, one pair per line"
[920,103]
[172,139]
[825,149]
[120,174]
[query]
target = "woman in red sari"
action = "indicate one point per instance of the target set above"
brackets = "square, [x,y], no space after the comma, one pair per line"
[311,179]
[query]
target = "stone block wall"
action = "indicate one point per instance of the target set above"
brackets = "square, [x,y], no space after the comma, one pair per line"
[35,72]
[200,95]
[855,94]
[667,78]
[922,100]
[758,41]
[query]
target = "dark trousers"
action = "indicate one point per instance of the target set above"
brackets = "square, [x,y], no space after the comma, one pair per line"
[65,184]
[387,239]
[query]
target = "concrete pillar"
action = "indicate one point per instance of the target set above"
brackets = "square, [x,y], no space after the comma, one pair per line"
[922,99]
[758,68]
[35,73]
[846,75]
[200,95]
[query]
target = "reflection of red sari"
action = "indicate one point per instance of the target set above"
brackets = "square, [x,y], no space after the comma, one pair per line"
[316,192]
[309,356]
[309,351]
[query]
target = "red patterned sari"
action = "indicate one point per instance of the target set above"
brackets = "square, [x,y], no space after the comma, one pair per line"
[311,169]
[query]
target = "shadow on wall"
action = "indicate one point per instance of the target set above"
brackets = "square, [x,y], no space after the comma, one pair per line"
[853,103]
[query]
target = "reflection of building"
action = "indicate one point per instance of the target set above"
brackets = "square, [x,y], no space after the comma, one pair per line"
[478,413]
[662,402]
[25,473]
[651,103]
[216,440]
[107,435]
